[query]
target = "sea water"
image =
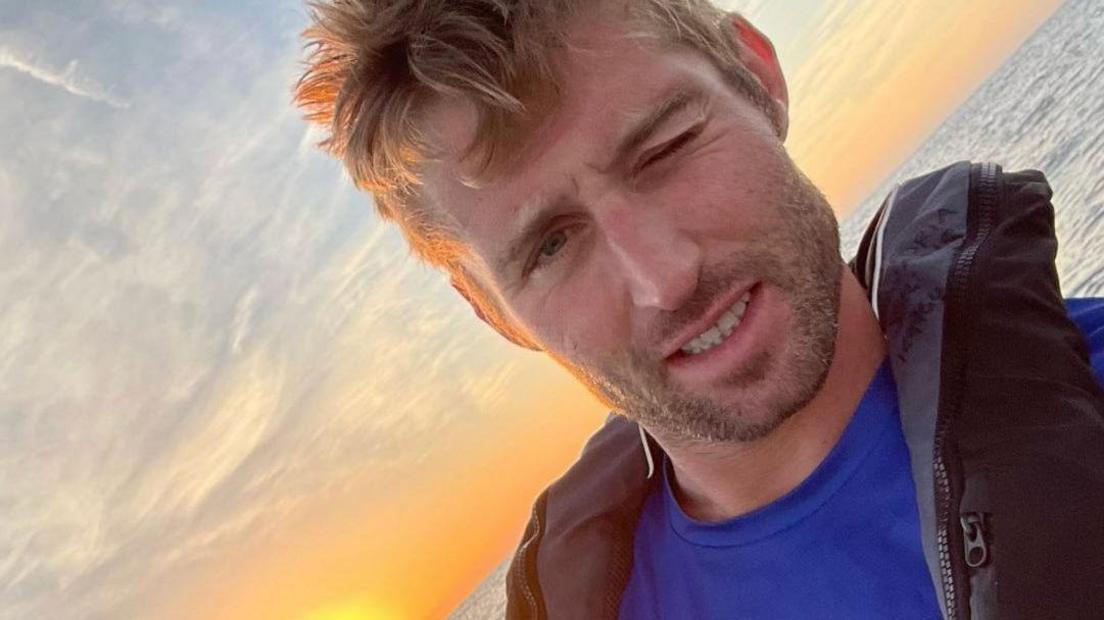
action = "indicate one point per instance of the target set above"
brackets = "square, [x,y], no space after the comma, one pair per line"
[1042,109]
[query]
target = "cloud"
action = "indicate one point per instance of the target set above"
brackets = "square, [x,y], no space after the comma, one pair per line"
[209,334]
[66,79]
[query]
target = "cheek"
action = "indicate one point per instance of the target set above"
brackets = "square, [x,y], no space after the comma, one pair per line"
[583,319]
[709,201]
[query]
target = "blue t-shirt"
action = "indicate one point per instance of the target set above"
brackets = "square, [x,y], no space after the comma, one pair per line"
[844,544]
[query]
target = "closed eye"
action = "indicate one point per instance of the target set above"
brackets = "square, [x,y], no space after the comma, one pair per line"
[667,149]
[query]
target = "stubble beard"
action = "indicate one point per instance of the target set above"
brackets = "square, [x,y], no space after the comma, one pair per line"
[798,257]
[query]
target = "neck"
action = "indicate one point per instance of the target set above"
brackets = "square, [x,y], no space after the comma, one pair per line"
[714,482]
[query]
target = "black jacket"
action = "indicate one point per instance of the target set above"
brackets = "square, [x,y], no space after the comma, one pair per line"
[1001,412]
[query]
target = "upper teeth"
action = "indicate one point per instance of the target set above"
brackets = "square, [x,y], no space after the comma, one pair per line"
[720,330]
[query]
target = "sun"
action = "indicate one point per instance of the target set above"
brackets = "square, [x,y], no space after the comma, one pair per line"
[351,610]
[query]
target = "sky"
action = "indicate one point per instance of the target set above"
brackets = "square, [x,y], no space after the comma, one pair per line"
[226,391]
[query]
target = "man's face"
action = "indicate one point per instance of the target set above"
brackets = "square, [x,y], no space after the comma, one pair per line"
[655,239]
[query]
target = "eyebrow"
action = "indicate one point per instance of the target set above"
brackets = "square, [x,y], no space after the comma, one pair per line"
[675,102]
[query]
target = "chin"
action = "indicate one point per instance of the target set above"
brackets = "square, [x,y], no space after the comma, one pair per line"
[754,401]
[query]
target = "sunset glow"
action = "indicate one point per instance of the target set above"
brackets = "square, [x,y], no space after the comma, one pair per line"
[231,394]
[351,611]
[463,510]
[888,77]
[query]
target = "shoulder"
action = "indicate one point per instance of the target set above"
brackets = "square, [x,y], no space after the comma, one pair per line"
[574,552]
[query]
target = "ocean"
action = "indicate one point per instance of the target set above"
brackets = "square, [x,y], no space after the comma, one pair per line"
[1042,109]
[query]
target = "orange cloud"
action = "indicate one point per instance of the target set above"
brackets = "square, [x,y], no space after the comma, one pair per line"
[439,533]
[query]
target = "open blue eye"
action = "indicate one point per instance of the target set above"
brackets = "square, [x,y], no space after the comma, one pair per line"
[553,243]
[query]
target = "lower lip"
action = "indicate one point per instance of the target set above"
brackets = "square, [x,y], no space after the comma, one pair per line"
[732,350]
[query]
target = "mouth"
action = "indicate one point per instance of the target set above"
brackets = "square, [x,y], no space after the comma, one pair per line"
[722,338]
[716,326]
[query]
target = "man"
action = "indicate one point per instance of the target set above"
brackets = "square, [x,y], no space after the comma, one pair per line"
[605,181]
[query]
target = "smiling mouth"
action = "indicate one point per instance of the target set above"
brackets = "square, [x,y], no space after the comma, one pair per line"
[716,334]
[725,321]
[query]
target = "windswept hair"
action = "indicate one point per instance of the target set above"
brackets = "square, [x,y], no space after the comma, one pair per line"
[373,65]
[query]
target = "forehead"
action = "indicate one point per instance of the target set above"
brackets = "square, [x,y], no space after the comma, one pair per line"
[596,64]
[610,75]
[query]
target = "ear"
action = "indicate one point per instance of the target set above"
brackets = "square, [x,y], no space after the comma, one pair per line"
[496,323]
[758,55]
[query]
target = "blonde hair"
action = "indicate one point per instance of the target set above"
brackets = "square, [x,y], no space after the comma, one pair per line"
[374,64]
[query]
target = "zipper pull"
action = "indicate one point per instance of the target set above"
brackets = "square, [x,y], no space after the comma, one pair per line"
[973,530]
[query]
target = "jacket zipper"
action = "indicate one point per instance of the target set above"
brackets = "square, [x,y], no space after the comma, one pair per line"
[943,494]
[984,189]
[974,530]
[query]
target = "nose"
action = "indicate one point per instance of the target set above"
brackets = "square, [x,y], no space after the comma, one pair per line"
[659,263]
